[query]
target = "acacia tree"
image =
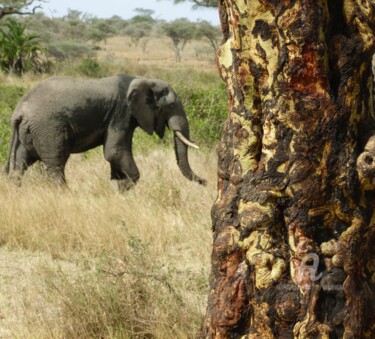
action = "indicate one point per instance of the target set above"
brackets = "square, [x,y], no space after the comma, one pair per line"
[139,32]
[209,33]
[75,26]
[140,27]
[20,7]
[294,220]
[180,31]
[100,30]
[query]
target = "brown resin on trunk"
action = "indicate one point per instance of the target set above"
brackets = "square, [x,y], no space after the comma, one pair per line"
[294,221]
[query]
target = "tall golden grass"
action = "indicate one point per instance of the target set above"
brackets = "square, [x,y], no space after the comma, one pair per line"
[142,257]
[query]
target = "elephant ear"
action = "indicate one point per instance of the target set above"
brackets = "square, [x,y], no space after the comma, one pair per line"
[142,104]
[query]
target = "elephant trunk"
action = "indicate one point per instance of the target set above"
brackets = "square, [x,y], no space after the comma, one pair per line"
[179,125]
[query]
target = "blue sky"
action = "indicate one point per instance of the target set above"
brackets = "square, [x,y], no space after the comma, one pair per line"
[164,9]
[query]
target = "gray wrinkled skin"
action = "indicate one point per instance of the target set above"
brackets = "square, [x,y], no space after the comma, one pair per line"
[62,115]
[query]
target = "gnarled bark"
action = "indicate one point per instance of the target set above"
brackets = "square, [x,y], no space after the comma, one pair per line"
[294,221]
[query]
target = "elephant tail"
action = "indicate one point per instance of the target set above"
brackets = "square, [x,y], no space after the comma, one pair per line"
[12,146]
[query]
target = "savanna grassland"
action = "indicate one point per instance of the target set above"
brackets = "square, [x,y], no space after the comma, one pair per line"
[92,263]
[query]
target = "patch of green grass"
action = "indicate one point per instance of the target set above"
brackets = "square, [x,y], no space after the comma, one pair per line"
[9,96]
[90,67]
[207,109]
[69,49]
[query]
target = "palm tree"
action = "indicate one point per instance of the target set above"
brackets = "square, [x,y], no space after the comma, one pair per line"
[19,51]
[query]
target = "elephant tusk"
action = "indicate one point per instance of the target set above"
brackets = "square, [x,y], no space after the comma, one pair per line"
[185,141]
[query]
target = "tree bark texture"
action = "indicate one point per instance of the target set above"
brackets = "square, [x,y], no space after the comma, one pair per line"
[294,222]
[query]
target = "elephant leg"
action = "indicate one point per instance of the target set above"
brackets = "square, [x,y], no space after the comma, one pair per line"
[57,173]
[23,159]
[54,153]
[118,152]
[55,166]
[124,172]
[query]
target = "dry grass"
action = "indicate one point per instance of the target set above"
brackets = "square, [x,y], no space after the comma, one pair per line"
[153,243]
[159,52]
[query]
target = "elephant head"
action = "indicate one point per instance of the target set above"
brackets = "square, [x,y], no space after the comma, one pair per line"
[155,105]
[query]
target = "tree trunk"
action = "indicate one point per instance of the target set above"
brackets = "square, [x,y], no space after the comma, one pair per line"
[294,222]
[177,52]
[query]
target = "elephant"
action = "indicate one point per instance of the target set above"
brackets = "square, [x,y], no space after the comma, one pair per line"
[64,115]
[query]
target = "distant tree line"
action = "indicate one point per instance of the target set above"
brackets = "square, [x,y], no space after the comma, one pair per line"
[26,34]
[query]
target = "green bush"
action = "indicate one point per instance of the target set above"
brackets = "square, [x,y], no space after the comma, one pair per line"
[90,68]
[9,96]
[69,49]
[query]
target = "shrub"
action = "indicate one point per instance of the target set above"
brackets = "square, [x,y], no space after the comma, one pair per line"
[90,68]
[69,49]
